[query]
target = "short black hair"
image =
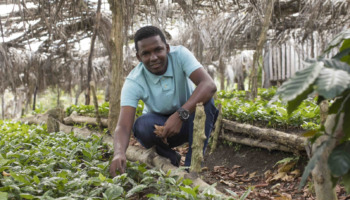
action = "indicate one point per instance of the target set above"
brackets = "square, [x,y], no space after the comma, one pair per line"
[146,32]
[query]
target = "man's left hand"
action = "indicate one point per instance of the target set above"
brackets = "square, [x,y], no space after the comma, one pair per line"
[172,126]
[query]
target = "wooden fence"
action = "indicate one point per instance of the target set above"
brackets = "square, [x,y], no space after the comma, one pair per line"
[283,60]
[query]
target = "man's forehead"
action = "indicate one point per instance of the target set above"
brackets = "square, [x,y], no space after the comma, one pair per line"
[150,41]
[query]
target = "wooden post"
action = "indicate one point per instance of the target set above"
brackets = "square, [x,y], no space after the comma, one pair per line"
[198,139]
[217,130]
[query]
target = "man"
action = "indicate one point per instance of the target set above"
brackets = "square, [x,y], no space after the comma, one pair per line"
[163,81]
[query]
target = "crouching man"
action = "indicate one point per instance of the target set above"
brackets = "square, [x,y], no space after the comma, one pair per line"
[163,80]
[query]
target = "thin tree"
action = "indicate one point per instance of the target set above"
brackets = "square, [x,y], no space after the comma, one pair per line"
[258,52]
[116,42]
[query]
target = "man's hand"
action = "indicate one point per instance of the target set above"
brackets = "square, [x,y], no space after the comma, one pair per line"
[172,126]
[118,163]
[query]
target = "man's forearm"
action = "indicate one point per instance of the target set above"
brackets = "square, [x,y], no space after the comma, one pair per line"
[121,140]
[203,93]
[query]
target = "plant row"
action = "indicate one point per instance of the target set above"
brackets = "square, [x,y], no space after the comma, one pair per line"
[35,164]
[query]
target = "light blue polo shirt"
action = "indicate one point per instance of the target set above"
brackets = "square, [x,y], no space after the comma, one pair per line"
[162,94]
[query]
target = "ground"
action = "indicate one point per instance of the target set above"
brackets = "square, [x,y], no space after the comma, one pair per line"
[273,174]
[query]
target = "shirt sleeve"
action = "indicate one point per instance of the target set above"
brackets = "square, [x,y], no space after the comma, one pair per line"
[131,94]
[188,62]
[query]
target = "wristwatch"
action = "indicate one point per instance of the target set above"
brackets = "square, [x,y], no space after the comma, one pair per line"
[183,114]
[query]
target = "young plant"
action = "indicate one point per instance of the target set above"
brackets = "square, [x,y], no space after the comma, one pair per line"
[330,79]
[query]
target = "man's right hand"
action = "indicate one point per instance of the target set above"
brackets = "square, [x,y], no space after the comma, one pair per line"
[118,163]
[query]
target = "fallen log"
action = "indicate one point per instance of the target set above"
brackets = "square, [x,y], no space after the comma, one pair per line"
[76,119]
[256,143]
[289,140]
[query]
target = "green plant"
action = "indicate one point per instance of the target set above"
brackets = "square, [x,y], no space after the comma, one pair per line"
[330,79]
[40,165]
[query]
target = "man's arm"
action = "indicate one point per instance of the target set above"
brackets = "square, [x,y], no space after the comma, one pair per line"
[121,139]
[204,91]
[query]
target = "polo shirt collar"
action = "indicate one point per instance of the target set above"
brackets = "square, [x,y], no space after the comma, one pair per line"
[155,78]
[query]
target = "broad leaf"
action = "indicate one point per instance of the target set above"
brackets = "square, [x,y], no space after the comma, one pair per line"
[343,56]
[312,163]
[346,182]
[346,120]
[300,82]
[135,190]
[345,49]
[331,82]
[3,195]
[294,104]
[333,109]
[336,64]
[339,160]
[27,196]
[338,39]
[114,192]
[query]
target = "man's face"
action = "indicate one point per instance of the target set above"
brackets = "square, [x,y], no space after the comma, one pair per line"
[153,54]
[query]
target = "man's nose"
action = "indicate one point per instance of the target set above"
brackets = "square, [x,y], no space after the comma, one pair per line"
[154,56]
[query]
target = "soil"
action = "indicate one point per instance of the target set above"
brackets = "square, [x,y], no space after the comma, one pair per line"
[238,167]
[270,175]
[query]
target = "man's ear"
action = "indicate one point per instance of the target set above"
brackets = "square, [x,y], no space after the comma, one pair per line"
[138,57]
[167,48]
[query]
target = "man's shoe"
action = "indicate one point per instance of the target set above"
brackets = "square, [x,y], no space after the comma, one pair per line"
[177,160]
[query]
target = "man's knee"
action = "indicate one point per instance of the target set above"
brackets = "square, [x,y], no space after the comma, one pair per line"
[143,131]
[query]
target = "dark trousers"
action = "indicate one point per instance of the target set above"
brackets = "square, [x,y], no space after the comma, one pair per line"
[144,132]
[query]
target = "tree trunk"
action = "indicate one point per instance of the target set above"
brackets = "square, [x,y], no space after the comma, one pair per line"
[116,6]
[222,74]
[92,45]
[321,173]
[98,117]
[2,106]
[34,97]
[262,40]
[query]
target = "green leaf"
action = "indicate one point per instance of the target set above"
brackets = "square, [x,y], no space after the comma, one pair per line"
[114,192]
[333,109]
[27,196]
[300,82]
[135,190]
[310,133]
[187,181]
[338,39]
[346,182]
[36,179]
[336,64]
[20,178]
[339,160]
[3,161]
[3,195]
[343,55]
[345,49]
[331,82]
[101,177]
[294,104]
[246,193]
[189,191]
[312,163]
[346,125]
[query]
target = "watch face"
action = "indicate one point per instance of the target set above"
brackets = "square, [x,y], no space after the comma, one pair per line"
[183,114]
